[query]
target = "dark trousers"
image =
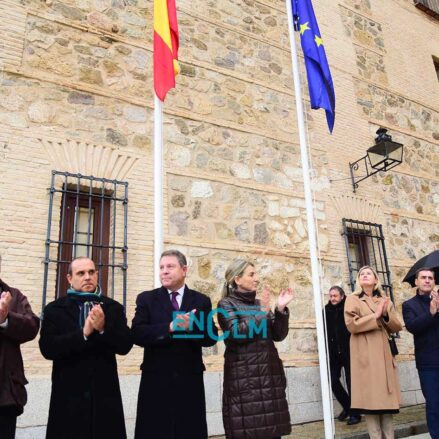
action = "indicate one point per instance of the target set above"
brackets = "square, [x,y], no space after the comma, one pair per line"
[8,422]
[161,415]
[337,364]
[429,379]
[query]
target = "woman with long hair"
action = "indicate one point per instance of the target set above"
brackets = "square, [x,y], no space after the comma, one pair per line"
[254,399]
[370,317]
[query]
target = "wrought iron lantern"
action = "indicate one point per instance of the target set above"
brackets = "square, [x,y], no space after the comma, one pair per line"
[383,156]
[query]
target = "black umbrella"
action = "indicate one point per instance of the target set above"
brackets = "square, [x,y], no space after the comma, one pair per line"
[430,261]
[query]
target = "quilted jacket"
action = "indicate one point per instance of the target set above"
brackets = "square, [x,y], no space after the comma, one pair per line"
[254,399]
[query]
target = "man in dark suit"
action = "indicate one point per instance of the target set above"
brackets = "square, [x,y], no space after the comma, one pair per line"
[339,353]
[421,318]
[81,333]
[171,403]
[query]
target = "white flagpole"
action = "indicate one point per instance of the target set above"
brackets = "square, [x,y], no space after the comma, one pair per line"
[158,187]
[324,376]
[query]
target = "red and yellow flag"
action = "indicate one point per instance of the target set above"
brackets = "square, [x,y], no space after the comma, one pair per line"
[165,47]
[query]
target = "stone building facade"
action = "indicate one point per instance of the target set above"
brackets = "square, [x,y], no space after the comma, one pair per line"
[76,96]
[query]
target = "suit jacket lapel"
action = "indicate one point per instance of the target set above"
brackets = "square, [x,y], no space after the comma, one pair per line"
[164,300]
[188,300]
[186,305]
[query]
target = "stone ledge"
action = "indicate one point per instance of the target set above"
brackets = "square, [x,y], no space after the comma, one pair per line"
[401,431]
[100,91]
[303,394]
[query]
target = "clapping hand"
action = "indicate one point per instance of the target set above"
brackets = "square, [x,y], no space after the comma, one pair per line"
[382,308]
[88,329]
[97,317]
[434,303]
[95,321]
[285,297]
[5,300]
[182,321]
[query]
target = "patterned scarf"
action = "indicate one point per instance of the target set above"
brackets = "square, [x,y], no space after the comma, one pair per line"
[85,302]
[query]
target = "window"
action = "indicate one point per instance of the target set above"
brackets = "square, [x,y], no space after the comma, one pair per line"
[430,7]
[88,217]
[365,246]
[84,231]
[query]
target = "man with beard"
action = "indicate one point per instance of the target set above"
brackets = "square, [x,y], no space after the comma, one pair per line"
[339,357]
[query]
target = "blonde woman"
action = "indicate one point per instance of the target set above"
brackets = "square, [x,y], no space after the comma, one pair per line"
[254,399]
[369,317]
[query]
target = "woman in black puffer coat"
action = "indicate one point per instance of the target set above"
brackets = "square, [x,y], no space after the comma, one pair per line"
[254,399]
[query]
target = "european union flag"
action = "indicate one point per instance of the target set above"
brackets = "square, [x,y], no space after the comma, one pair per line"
[321,87]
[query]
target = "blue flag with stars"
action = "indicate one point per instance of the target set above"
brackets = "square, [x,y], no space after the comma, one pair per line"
[321,87]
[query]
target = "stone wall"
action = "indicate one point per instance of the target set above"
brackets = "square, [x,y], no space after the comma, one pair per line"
[218,212]
[89,58]
[78,72]
[410,238]
[396,110]
[362,29]
[237,131]
[224,151]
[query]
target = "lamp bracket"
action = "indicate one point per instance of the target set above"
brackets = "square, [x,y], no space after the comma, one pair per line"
[355,166]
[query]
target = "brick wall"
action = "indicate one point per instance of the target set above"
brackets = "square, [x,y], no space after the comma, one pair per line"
[81,70]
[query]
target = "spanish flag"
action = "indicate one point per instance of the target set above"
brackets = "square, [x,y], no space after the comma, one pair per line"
[165,47]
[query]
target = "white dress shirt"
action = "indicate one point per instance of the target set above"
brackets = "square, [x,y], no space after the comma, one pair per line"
[179,297]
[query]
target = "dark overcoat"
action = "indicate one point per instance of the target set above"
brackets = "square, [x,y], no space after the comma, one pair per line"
[23,326]
[86,402]
[337,332]
[254,390]
[171,403]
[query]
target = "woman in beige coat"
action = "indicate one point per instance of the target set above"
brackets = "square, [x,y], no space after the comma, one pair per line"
[370,316]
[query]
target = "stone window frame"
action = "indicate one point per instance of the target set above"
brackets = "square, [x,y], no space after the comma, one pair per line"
[365,245]
[105,201]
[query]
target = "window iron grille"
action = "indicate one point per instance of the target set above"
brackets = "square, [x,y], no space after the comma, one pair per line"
[92,222]
[365,245]
[430,7]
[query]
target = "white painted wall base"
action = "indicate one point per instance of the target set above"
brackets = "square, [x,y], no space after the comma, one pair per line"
[303,395]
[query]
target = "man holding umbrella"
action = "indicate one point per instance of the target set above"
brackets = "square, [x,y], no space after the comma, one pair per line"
[421,318]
